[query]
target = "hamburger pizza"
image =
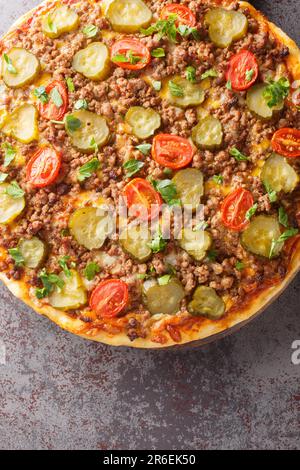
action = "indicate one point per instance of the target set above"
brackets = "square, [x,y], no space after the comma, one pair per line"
[115,117]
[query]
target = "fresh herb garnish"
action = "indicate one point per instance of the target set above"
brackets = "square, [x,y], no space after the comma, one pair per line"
[49,282]
[91,270]
[86,170]
[275,92]
[14,190]
[94,145]
[70,85]
[218,179]
[17,256]
[283,217]
[167,28]
[132,167]
[211,255]
[72,123]
[164,280]
[167,171]
[185,31]
[90,31]
[239,265]
[130,57]
[190,74]
[63,264]
[175,90]
[158,243]
[41,94]
[249,75]
[159,52]
[51,25]
[81,104]
[239,156]
[250,212]
[9,65]
[9,153]
[229,85]
[291,232]
[271,193]
[144,148]
[209,73]
[168,191]
[56,97]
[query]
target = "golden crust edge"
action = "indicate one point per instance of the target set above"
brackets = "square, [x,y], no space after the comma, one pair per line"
[209,332]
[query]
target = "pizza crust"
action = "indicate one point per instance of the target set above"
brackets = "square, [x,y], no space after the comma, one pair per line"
[207,331]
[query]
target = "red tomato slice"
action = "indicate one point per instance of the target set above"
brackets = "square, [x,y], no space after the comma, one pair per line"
[234,209]
[109,298]
[172,151]
[130,54]
[50,110]
[242,70]
[43,167]
[286,142]
[184,14]
[139,192]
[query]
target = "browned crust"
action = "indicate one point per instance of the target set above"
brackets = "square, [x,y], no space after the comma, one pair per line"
[202,332]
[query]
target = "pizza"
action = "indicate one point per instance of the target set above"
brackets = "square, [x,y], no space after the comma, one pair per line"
[119,116]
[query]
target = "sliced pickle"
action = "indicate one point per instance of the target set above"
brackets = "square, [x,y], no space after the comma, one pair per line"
[208,134]
[278,174]
[127,16]
[226,26]
[195,242]
[21,124]
[90,226]
[206,302]
[135,241]
[165,298]
[92,131]
[20,68]
[60,20]
[193,93]
[72,295]
[189,185]
[259,235]
[143,121]
[257,103]
[93,61]
[10,207]
[33,252]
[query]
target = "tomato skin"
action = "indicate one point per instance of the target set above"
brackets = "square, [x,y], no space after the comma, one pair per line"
[109,298]
[50,110]
[140,192]
[185,15]
[234,208]
[286,142]
[43,167]
[172,151]
[238,65]
[137,48]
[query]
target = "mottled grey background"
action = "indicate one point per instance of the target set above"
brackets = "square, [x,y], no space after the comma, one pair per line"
[61,392]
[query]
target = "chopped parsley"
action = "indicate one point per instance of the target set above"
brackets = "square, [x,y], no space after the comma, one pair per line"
[70,85]
[144,148]
[91,270]
[175,90]
[9,65]
[14,190]
[291,232]
[167,28]
[275,92]
[159,52]
[132,167]
[63,264]
[72,123]
[229,85]
[211,255]
[218,179]
[41,94]
[283,217]
[158,243]
[94,145]
[86,170]
[239,156]
[51,25]
[271,193]
[49,282]
[190,74]
[209,73]
[239,265]
[167,190]
[81,104]
[9,153]
[90,31]
[249,75]
[17,256]
[250,212]
[164,280]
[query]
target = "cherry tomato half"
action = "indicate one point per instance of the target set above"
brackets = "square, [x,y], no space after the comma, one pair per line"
[172,151]
[140,193]
[234,209]
[242,70]
[50,110]
[184,14]
[130,54]
[109,298]
[43,167]
[286,142]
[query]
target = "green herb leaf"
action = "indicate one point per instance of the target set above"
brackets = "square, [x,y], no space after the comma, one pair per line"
[239,265]
[229,85]
[164,28]
[159,52]
[175,90]
[218,179]
[70,85]
[168,171]
[3,176]
[190,74]
[9,153]
[41,94]
[168,191]
[156,85]
[250,212]
[283,217]
[120,58]
[91,270]
[209,73]
[275,93]
[239,156]
[17,256]
[86,170]
[49,282]
[72,123]
[63,264]
[211,255]
[90,31]
[249,75]
[9,65]
[56,97]
[94,145]
[158,243]
[291,232]
[14,190]
[142,276]
[144,148]
[81,104]
[164,280]
[51,25]
[132,167]
[271,193]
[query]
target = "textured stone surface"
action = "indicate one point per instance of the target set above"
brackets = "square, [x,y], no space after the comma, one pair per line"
[58,391]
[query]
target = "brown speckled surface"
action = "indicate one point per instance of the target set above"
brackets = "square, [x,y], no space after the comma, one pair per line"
[58,391]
